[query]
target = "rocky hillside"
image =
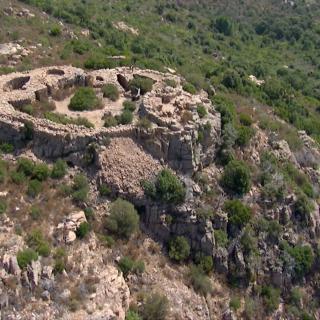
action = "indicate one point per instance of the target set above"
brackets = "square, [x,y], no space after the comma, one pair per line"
[164,175]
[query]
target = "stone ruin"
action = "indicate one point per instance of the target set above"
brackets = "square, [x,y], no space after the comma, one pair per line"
[123,155]
[171,140]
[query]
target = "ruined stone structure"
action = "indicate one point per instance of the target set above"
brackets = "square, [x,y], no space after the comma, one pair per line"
[171,139]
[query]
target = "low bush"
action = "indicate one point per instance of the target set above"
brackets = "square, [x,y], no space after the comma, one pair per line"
[204,262]
[129,105]
[18,177]
[125,117]
[84,99]
[104,190]
[59,169]
[221,238]
[132,315]
[199,281]
[144,84]
[110,91]
[244,135]
[171,83]
[235,303]
[238,214]
[245,119]
[35,213]
[270,296]
[179,248]
[188,87]
[41,172]
[123,220]
[236,177]
[6,147]
[110,121]
[55,31]
[37,242]
[3,206]
[80,188]
[144,123]
[127,265]
[155,307]
[25,257]
[169,188]
[83,230]
[302,209]
[202,111]
[34,188]
[26,166]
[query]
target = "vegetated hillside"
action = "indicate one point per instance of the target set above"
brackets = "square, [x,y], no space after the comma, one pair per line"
[219,44]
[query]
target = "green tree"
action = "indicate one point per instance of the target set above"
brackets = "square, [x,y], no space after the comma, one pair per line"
[179,248]
[123,220]
[236,177]
[84,99]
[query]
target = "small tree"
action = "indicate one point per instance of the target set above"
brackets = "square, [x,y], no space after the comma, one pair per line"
[83,230]
[169,188]
[144,84]
[123,219]
[236,177]
[84,99]
[238,214]
[41,172]
[179,248]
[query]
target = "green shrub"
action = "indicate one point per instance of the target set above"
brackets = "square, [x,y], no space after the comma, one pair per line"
[125,117]
[25,257]
[144,123]
[244,135]
[110,121]
[238,214]
[129,105]
[55,31]
[26,166]
[245,119]
[3,206]
[127,265]
[104,190]
[18,177]
[295,297]
[144,84]
[221,238]
[59,169]
[224,25]
[41,172]
[179,248]
[236,177]
[60,260]
[35,213]
[200,282]
[80,188]
[169,188]
[155,307]
[28,131]
[37,242]
[303,258]
[171,83]
[89,213]
[188,87]
[34,188]
[204,262]
[123,220]
[28,109]
[110,91]
[6,147]
[132,315]
[202,111]
[84,99]
[83,230]
[270,296]
[235,303]
[302,209]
